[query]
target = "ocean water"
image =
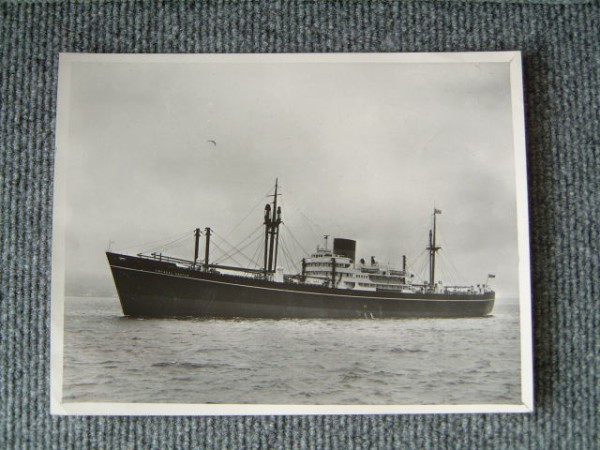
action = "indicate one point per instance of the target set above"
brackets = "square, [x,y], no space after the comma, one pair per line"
[111,358]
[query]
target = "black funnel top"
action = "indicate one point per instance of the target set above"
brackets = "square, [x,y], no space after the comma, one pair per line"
[345,247]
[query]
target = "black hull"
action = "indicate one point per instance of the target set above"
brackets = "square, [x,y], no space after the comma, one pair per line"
[152,288]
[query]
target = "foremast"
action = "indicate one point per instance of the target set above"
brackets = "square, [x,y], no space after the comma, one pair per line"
[433,249]
[272,222]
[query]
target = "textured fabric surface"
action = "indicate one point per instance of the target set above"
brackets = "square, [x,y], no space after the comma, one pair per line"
[560,45]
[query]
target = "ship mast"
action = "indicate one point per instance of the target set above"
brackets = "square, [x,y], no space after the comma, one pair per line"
[432,249]
[206,248]
[272,222]
[196,245]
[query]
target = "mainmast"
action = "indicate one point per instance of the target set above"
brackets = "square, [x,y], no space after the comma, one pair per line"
[432,249]
[272,222]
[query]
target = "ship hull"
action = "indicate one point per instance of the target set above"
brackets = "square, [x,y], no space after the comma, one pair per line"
[153,288]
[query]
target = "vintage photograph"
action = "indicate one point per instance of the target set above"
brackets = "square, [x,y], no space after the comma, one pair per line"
[290,234]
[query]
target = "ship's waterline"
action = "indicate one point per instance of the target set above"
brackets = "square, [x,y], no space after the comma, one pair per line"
[150,288]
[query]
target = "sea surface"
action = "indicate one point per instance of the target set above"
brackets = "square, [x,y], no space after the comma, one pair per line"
[111,358]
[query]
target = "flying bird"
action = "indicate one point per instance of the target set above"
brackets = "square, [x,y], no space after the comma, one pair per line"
[212,142]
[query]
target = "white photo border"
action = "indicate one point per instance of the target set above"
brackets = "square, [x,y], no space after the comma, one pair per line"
[58,407]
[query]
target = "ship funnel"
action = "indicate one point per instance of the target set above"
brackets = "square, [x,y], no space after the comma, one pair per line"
[345,247]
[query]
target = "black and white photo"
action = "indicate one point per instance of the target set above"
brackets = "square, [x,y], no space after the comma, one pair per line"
[290,234]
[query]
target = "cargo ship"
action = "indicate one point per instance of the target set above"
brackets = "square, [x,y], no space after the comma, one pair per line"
[331,284]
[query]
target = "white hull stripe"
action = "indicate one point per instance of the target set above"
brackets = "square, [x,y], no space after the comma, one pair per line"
[298,292]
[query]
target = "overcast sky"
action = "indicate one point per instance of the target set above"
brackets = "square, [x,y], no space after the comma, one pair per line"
[363,151]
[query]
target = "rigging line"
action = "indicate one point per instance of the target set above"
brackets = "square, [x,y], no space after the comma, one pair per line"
[283,243]
[298,248]
[421,275]
[289,258]
[166,244]
[236,250]
[255,260]
[444,275]
[225,241]
[286,249]
[292,249]
[286,259]
[256,238]
[419,266]
[450,259]
[454,280]
[288,264]
[169,244]
[147,244]
[259,253]
[296,240]
[443,269]
[261,245]
[312,225]
[248,215]
[422,231]
[239,251]
[417,261]
[176,245]
[285,253]
[456,274]
[291,264]
[226,252]
[242,241]
[233,259]
[413,249]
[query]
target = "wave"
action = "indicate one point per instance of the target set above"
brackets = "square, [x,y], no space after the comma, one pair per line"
[406,350]
[187,365]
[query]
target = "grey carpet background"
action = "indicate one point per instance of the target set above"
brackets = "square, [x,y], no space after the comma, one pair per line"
[560,44]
